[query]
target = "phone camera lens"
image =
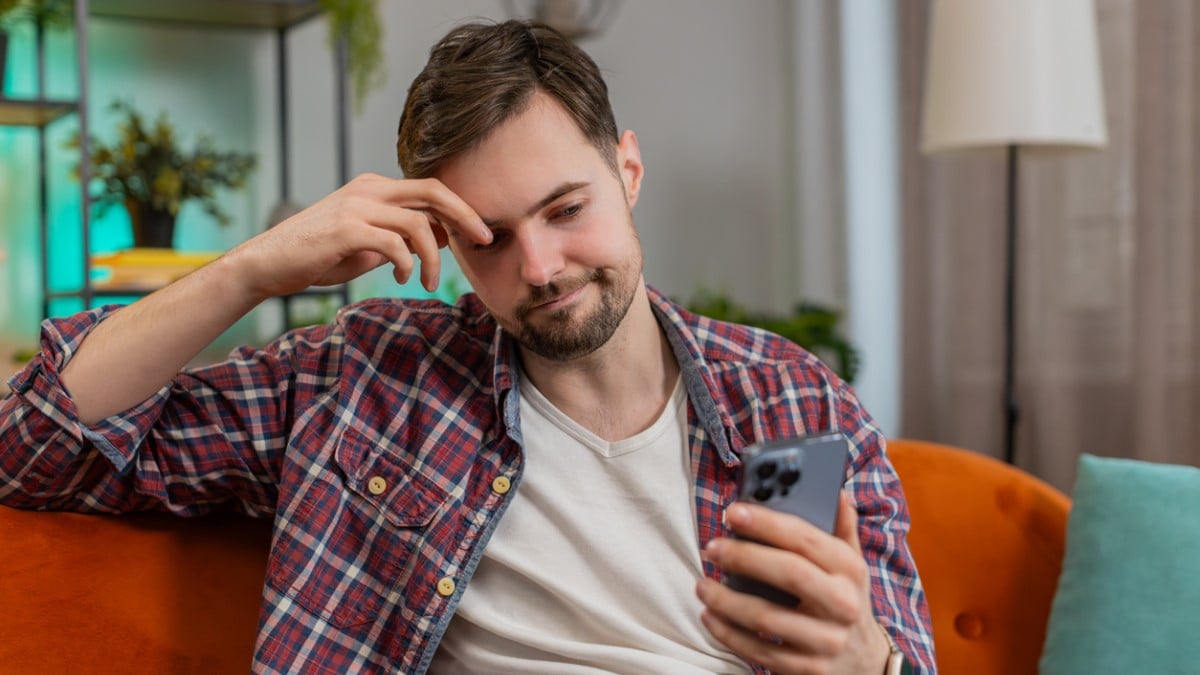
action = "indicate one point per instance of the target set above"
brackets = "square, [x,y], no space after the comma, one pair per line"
[763,493]
[789,476]
[766,470]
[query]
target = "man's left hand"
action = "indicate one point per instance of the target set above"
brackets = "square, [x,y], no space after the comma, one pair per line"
[831,630]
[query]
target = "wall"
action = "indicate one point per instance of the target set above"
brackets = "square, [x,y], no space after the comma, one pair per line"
[710,87]
[705,101]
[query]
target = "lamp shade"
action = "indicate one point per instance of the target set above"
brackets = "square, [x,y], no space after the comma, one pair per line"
[1001,72]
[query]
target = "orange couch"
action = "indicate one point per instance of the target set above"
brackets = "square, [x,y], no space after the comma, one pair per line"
[152,593]
[146,593]
[989,541]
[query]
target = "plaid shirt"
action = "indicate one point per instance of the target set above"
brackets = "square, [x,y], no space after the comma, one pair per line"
[374,443]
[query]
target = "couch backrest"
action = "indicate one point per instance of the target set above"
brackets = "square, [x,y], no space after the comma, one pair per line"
[988,540]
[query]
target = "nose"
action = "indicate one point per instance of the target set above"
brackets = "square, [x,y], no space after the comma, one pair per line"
[541,258]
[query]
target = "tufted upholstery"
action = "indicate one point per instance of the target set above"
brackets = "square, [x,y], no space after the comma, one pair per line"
[148,593]
[988,540]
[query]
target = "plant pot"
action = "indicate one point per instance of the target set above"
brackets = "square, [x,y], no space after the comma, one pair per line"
[152,228]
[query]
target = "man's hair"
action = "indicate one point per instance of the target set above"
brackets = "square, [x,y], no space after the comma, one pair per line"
[480,75]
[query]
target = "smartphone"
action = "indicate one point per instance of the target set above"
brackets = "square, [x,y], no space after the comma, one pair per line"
[802,476]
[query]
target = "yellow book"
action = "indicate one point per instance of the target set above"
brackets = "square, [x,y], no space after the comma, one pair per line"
[146,269]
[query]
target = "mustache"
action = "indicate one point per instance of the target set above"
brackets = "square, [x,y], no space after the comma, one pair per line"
[540,295]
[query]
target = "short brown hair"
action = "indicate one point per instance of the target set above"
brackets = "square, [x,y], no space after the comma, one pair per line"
[480,75]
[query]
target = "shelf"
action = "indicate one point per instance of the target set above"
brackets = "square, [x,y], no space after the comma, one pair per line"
[122,280]
[32,113]
[132,291]
[216,13]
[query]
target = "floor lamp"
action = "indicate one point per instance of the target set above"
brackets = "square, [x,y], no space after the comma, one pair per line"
[1012,73]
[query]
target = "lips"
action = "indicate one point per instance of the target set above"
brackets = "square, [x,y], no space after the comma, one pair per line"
[561,299]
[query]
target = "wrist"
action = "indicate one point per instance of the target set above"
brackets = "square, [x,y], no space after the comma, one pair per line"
[241,277]
[894,662]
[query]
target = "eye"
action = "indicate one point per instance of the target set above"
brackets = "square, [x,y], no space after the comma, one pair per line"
[569,212]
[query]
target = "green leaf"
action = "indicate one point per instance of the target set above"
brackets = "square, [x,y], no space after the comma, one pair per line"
[813,327]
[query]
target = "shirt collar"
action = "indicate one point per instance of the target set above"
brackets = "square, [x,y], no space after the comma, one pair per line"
[708,402]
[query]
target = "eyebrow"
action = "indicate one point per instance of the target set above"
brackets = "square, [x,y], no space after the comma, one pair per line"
[563,189]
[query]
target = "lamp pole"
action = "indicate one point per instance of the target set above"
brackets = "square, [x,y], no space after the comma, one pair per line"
[1011,409]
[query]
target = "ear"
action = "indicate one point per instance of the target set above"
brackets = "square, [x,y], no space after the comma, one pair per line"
[629,165]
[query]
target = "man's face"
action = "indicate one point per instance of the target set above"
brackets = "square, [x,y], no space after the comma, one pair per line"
[565,262]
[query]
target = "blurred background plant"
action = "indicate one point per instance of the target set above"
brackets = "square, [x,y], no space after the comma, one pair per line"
[358,22]
[809,325]
[146,169]
[52,13]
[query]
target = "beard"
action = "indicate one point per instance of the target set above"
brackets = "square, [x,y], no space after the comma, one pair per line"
[571,333]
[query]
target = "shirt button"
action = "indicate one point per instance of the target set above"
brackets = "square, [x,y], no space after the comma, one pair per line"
[377,485]
[501,485]
[445,587]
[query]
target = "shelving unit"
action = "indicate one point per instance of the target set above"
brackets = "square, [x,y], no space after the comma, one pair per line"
[278,16]
[31,113]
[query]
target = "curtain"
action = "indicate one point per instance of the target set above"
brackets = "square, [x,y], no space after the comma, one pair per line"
[1108,332]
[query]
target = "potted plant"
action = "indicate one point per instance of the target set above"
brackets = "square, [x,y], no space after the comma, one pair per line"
[357,21]
[146,170]
[809,325]
[55,13]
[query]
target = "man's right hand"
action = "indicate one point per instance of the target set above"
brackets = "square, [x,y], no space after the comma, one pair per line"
[368,222]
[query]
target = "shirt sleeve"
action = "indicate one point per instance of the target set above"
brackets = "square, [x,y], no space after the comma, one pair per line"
[897,596]
[212,437]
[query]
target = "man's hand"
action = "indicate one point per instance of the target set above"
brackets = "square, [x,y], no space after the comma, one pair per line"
[369,221]
[831,630]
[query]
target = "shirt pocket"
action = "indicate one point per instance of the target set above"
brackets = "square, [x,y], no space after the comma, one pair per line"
[347,553]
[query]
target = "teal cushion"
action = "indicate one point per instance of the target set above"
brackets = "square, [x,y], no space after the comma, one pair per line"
[1128,600]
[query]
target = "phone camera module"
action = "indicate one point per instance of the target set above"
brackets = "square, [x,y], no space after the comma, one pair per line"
[766,470]
[790,476]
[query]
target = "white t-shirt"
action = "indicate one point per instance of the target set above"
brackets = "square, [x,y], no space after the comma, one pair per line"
[594,565]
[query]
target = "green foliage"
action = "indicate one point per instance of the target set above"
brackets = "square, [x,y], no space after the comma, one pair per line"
[358,22]
[145,164]
[55,13]
[809,325]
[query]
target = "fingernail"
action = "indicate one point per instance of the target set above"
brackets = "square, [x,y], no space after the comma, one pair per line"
[712,550]
[737,515]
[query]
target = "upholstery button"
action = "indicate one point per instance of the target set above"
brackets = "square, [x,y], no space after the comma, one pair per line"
[969,625]
[445,586]
[501,485]
[377,485]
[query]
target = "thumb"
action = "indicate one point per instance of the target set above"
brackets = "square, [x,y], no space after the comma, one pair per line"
[847,522]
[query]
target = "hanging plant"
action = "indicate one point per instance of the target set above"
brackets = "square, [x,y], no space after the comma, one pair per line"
[54,13]
[357,21]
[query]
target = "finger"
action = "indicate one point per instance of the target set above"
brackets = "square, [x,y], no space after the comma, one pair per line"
[754,648]
[791,533]
[847,523]
[424,244]
[761,617]
[430,194]
[407,231]
[386,242]
[823,593]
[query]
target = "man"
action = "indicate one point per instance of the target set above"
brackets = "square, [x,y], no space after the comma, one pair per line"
[539,478]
